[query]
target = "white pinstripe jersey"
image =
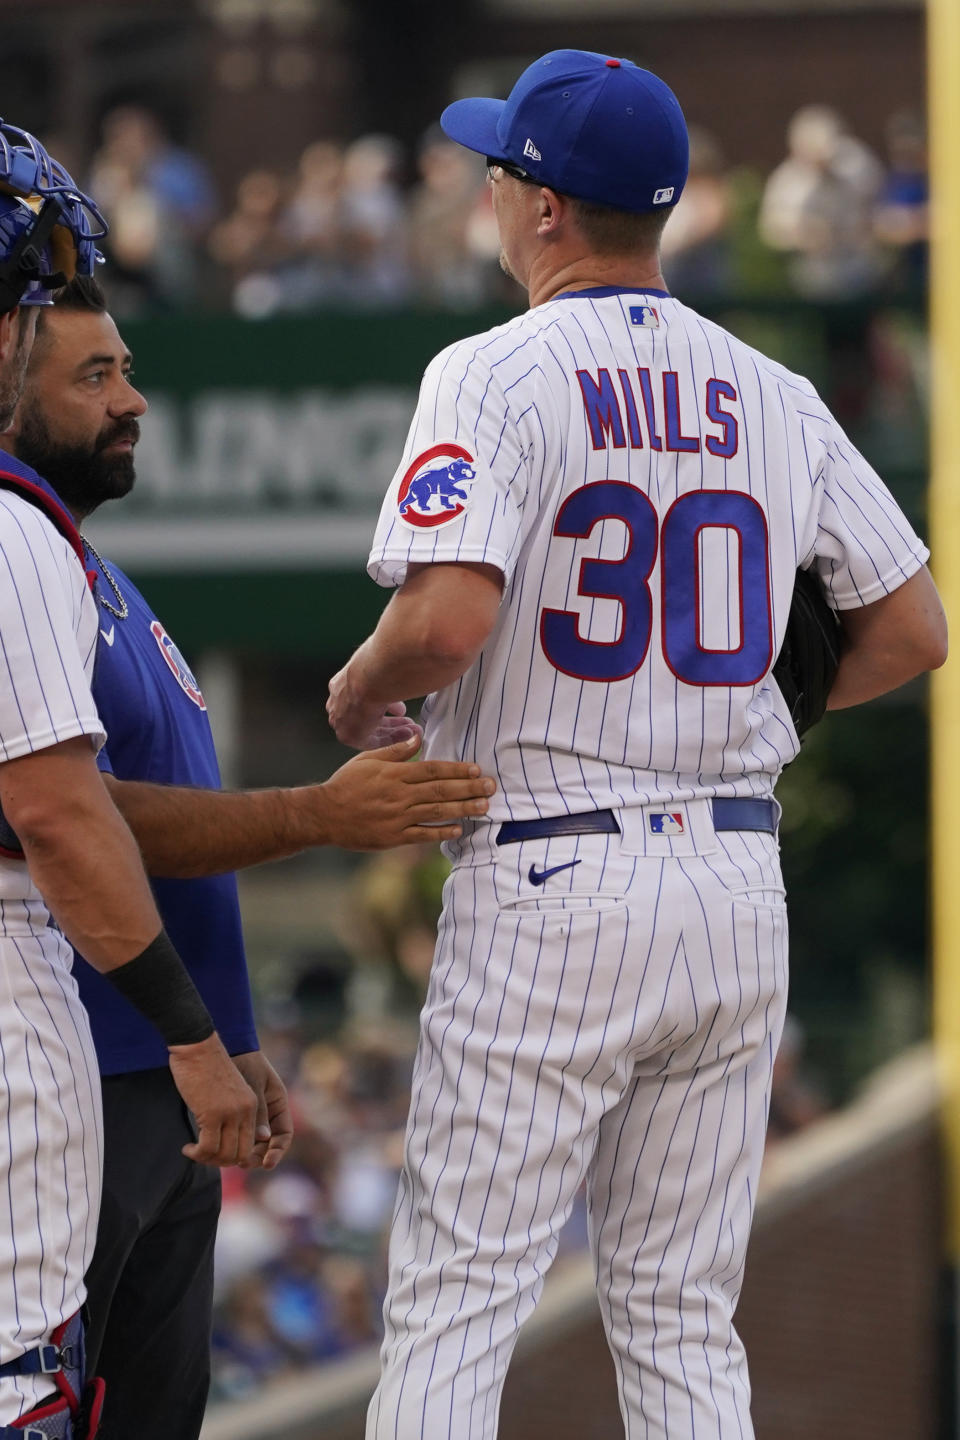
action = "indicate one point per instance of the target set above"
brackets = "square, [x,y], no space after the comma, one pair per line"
[48,635]
[51,1147]
[648,485]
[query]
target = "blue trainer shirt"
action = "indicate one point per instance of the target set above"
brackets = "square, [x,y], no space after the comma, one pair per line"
[158,732]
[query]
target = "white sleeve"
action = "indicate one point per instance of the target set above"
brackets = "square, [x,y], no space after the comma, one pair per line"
[45,696]
[458,492]
[865,546]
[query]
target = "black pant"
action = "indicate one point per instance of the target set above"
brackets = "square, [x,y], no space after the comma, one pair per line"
[151,1279]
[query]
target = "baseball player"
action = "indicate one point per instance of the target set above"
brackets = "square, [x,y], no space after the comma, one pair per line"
[150,1283]
[70,872]
[596,603]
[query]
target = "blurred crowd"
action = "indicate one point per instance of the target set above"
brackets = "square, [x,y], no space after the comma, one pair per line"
[301,1253]
[367,225]
[300,1258]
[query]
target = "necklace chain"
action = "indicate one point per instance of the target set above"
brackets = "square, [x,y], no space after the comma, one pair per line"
[124,609]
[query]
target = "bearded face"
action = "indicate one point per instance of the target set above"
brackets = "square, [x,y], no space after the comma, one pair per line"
[77,422]
[84,472]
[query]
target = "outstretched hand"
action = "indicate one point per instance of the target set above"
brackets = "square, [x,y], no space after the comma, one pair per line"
[376,801]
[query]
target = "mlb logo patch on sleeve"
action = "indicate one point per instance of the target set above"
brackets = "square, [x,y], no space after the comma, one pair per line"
[666,824]
[436,487]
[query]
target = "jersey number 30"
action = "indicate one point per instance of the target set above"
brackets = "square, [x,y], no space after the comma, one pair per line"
[679,542]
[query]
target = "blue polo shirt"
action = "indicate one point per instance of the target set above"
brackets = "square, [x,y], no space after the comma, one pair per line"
[158,732]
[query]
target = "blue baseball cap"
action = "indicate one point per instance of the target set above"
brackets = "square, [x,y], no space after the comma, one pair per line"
[586,125]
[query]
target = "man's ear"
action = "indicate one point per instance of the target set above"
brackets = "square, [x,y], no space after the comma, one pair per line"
[551,212]
[9,333]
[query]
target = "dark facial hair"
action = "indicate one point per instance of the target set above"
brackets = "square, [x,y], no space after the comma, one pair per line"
[82,475]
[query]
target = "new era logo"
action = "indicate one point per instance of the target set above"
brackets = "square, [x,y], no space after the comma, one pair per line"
[532,153]
[662,196]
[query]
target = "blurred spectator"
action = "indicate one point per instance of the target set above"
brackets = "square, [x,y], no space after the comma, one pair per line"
[373,223]
[160,200]
[311,227]
[902,218]
[247,1236]
[452,249]
[300,1260]
[246,1349]
[247,244]
[818,206]
[312,218]
[320,992]
[398,906]
[358,1319]
[301,1311]
[795,1101]
[695,246]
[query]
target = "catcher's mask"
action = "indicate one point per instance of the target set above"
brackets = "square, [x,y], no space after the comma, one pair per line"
[47,225]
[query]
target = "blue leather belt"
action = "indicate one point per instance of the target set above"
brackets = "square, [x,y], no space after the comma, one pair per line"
[732,813]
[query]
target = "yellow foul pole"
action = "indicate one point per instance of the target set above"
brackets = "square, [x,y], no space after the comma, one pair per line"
[943,50]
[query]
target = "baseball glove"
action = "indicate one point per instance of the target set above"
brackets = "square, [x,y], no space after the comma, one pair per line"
[808,660]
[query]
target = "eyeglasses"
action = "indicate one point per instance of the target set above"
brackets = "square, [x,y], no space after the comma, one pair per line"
[508,169]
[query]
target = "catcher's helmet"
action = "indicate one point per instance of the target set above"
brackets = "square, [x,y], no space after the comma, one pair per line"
[47,226]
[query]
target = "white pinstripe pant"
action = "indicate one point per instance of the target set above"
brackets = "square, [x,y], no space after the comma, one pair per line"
[617,1024]
[51,1146]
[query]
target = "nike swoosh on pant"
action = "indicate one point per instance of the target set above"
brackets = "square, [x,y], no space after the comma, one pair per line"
[537,877]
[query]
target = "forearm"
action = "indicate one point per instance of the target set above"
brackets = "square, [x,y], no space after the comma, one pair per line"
[184,832]
[890,642]
[89,872]
[862,675]
[86,865]
[374,801]
[395,663]
[430,634]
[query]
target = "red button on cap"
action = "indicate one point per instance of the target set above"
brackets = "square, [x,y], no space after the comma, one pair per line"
[614,64]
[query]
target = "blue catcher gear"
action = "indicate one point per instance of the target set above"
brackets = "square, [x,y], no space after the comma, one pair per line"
[74,1408]
[47,225]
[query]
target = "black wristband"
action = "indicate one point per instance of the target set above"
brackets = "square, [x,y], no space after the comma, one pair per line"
[157,984]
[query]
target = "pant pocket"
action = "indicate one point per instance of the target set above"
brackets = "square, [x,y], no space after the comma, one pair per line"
[568,904]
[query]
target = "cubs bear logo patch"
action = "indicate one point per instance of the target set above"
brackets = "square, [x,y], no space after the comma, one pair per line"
[184,675]
[435,489]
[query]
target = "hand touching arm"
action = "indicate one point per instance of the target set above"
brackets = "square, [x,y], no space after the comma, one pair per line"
[372,802]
